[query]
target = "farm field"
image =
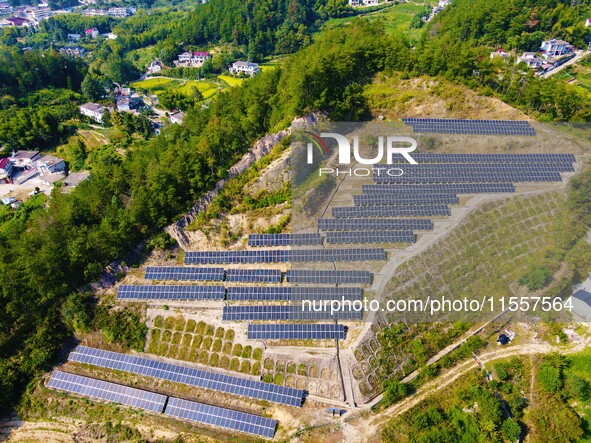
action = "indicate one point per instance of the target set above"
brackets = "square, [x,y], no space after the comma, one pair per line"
[156,85]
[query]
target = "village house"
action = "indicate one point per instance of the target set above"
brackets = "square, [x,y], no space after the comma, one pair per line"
[588,22]
[530,59]
[118,12]
[500,53]
[39,14]
[177,118]
[109,36]
[580,300]
[354,3]
[92,33]
[555,48]
[192,59]
[5,9]
[24,159]
[155,66]
[48,164]
[74,37]
[73,51]
[15,22]
[93,111]
[5,170]
[74,179]
[244,67]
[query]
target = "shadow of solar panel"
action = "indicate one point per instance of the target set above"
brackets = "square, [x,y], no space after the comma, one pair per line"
[221,417]
[188,376]
[365,224]
[91,387]
[254,275]
[288,293]
[303,239]
[391,211]
[328,276]
[287,313]
[283,256]
[297,331]
[355,237]
[403,200]
[474,178]
[456,188]
[183,273]
[170,292]
[487,158]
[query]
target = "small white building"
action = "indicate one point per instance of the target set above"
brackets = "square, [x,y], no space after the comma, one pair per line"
[39,14]
[109,36]
[93,111]
[581,301]
[192,59]
[74,37]
[244,67]
[24,159]
[530,59]
[155,66]
[370,2]
[500,53]
[354,3]
[5,9]
[177,118]
[118,12]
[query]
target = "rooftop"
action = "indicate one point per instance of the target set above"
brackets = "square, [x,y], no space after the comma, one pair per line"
[24,154]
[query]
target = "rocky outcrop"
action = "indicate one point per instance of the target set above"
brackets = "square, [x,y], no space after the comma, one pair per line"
[262,147]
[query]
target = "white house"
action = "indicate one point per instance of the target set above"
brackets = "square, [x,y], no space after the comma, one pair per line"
[5,9]
[554,47]
[75,51]
[92,32]
[118,12]
[244,67]
[5,170]
[177,118]
[39,14]
[48,164]
[500,53]
[155,66]
[370,2]
[581,300]
[93,111]
[588,22]
[193,59]
[354,3]
[109,36]
[23,159]
[74,37]
[530,59]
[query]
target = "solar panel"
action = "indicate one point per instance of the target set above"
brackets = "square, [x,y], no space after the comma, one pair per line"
[522,177]
[364,224]
[170,292]
[299,331]
[287,313]
[460,126]
[188,376]
[486,158]
[355,237]
[401,199]
[391,211]
[104,390]
[254,275]
[328,276]
[288,293]
[222,417]
[181,273]
[455,188]
[302,239]
[469,168]
[283,256]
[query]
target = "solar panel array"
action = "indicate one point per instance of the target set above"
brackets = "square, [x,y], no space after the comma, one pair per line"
[400,199]
[283,256]
[170,292]
[461,126]
[350,237]
[328,276]
[222,417]
[188,376]
[255,240]
[487,158]
[390,211]
[181,273]
[364,224]
[301,331]
[254,275]
[104,390]
[286,313]
[455,188]
[288,293]
[484,177]
[473,168]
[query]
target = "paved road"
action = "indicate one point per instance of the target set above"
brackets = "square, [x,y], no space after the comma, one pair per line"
[579,56]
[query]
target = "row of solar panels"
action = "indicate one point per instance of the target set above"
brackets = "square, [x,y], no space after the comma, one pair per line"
[171,406]
[285,256]
[416,189]
[486,158]
[184,273]
[404,200]
[484,177]
[391,211]
[214,381]
[314,311]
[298,331]
[296,239]
[461,126]
[475,168]
[242,293]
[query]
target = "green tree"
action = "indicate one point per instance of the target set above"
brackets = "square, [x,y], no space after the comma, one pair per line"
[92,88]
